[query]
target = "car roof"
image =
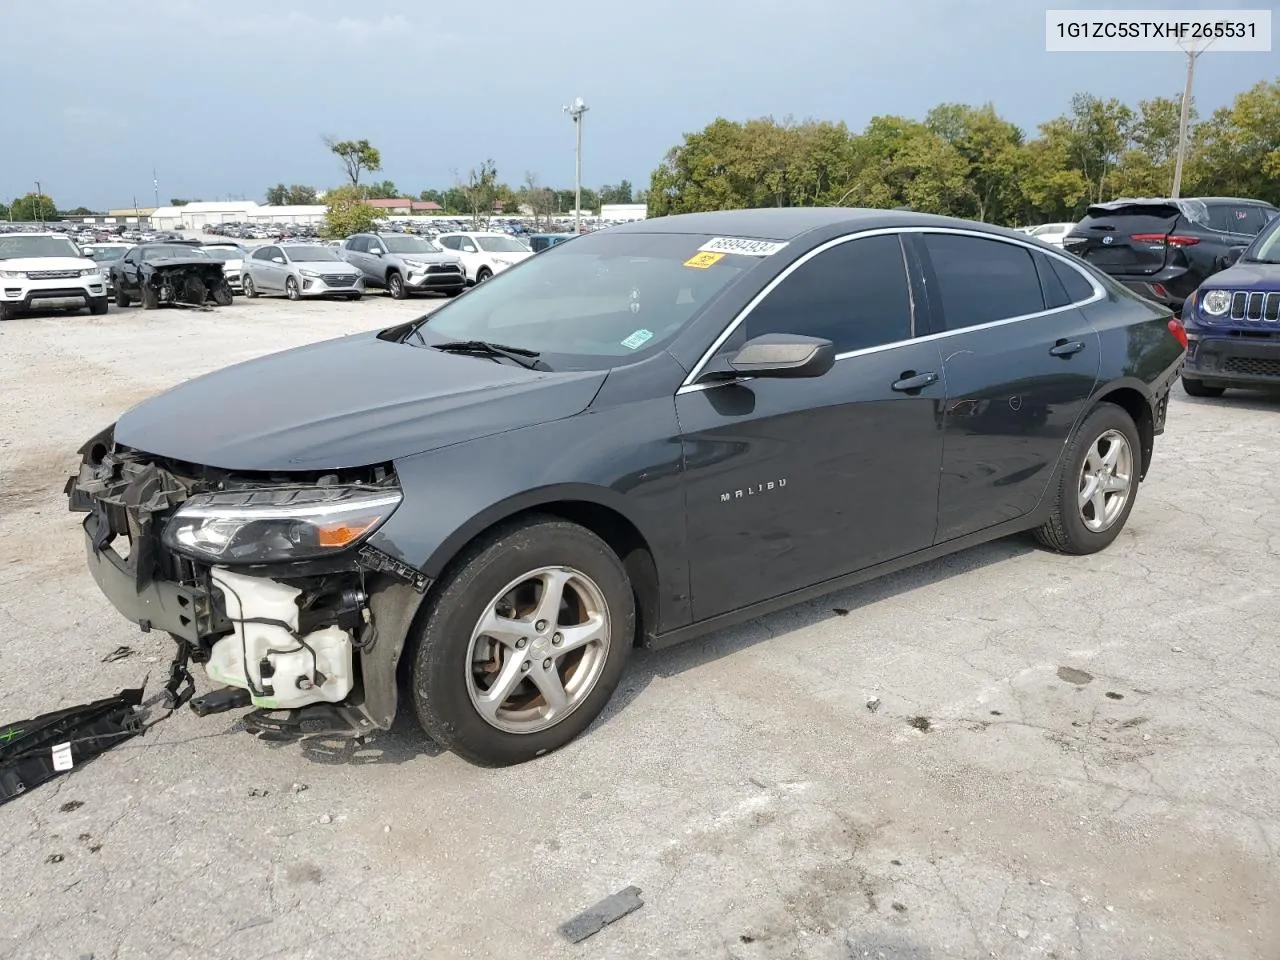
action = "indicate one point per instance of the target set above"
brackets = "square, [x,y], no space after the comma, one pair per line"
[789,223]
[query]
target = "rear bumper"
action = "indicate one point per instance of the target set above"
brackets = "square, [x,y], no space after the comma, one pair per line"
[1234,361]
[1169,287]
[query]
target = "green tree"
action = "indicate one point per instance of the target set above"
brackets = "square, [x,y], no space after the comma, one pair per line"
[78,212]
[357,157]
[33,207]
[178,202]
[480,191]
[382,190]
[1237,151]
[278,195]
[347,213]
[4,211]
[991,148]
[301,195]
[432,196]
[621,193]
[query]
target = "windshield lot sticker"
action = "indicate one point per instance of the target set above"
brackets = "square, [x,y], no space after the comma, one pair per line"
[638,339]
[748,248]
[703,260]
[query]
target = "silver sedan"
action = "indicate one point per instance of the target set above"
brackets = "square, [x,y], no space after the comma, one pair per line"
[299,270]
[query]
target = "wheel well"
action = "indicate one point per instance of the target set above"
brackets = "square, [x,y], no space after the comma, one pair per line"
[1136,405]
[623,538]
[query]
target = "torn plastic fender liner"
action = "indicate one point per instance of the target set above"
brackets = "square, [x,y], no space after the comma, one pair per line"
[392,610]
[35,751]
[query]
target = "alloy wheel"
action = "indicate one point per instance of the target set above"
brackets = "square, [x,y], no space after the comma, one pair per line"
[538,649]
[1106,481]
[291,289]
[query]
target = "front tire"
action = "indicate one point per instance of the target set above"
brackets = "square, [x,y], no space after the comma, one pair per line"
[150,298]
[122,298]
[524,642]
[396,287]
[1198,388]
[246,284]
[1098,485]
[484,274]
[222,295]
[291,289]
[98,306]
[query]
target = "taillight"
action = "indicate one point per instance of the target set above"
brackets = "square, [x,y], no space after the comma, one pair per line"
[1179,332]
[1174,240]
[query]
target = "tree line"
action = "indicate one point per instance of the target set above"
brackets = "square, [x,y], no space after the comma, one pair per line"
[968,161]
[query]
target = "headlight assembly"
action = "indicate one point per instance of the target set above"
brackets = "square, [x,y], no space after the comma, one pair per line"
[1215,303]
[278,524]
[309,273]
[13,274]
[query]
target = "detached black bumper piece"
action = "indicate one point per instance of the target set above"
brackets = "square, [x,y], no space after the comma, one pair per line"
[35,751]
[1235,361]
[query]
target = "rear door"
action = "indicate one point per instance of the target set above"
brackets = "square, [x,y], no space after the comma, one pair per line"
[1126,239]
[1020,360]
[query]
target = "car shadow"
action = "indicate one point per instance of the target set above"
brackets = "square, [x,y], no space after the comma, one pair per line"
[405,741]
[647,665]
[1263,400]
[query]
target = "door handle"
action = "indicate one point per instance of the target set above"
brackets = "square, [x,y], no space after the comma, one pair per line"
[1066,348]
[912,381]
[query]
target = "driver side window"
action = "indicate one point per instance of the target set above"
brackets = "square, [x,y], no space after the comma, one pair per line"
[855,294]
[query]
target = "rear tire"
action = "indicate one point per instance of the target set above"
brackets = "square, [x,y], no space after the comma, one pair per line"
[98,306]
[454,664]
[1197,388]
[1091,508]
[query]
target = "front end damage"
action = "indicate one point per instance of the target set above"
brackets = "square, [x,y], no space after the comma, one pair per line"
[180,282]
[266,580]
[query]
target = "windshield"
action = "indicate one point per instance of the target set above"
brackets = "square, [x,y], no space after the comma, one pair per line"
[407,245]
[309,253]
[501,245]
[224,253]
[603,300]
[12,247]
[107,253]
[1266,248]
[163,252]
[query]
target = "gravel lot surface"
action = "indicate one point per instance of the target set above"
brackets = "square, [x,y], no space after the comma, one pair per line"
[1070,758]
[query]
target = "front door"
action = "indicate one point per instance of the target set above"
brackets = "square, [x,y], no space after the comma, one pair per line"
[793,482]
[1020,362]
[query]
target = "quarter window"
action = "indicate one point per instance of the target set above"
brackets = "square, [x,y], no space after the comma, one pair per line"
[855,295]
[1078,288]
[980,281]
[1234,218]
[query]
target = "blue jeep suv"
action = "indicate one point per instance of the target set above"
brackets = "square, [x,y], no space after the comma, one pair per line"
[1233,326]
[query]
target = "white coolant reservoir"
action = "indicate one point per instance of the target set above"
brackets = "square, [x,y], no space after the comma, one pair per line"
[298,673]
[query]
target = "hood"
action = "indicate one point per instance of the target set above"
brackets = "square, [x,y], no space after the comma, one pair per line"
[47,263]
[350,402]
[324,266]
[512,258]
[1246,276]
[170,263]
[429,257]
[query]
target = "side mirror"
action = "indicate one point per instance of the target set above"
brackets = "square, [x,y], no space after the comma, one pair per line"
[277,259]
[376,252]
[780,355]
[1231,256]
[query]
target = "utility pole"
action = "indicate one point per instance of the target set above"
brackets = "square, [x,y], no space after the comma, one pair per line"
[155,185]
[39,205]
[1184,120]
[575,111]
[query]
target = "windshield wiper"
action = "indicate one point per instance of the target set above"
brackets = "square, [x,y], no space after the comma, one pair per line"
[483,348]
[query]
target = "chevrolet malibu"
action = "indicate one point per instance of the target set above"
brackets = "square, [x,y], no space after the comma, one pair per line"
[635,438]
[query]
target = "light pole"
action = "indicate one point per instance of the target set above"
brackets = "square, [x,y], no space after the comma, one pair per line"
[1184,120]
[575,110]
[39,205]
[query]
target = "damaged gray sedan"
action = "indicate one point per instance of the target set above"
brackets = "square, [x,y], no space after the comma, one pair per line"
[172,273]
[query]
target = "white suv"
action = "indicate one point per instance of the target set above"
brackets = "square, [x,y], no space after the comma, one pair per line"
[46,270]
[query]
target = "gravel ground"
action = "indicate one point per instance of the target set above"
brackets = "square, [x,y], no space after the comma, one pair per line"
[1071,757]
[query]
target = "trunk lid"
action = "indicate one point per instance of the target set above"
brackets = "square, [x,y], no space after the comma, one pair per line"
[1130,236]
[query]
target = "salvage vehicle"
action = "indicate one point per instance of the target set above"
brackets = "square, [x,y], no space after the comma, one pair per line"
[403,265]
[638,437]
[103,253]
[299,270]
[232,256]
[42,271]
[169,273]
[1163,249]
[1233,323]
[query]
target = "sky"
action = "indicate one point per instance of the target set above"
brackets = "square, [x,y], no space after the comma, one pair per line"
[224,98]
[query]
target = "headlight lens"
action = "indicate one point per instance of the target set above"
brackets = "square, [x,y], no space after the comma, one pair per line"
[309,273]
[1215,302]
[13,274]
[275,525]
[96,271]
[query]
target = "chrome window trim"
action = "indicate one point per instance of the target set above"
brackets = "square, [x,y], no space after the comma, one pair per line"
[1099,293]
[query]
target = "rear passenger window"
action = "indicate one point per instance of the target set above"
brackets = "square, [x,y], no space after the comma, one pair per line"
[1078,288]
[982,280]
[1233,218]
[854,294]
